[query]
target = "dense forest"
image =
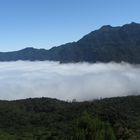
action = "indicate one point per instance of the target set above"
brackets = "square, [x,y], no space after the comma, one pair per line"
[51,119]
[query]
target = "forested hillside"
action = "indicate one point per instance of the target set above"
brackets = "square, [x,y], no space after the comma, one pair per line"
[50,119]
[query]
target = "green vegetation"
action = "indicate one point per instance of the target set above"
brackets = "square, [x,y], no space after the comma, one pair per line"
[51,119]
[89,128]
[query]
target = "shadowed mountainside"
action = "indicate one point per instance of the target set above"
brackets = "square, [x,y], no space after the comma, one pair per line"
[107,44]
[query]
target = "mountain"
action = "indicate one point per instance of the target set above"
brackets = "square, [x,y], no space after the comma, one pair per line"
[106,44]
[50,119]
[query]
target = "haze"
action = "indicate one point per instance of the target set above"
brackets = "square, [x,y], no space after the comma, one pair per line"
[82,81]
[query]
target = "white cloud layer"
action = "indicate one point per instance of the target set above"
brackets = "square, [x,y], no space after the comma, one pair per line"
[82,81]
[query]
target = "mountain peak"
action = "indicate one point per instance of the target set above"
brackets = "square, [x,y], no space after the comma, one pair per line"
[29,48]
[108,28]
[134,23]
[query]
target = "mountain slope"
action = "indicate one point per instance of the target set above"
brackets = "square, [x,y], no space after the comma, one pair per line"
[51,119]
[107,44]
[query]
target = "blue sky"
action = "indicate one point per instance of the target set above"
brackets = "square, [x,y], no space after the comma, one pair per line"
[48,23]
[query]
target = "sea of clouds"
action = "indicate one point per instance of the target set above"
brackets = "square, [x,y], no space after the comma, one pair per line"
[81,81]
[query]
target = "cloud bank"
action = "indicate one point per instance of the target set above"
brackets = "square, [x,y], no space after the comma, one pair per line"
[82,81]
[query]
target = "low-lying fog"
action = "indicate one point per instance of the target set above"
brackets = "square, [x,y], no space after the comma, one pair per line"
[82,81]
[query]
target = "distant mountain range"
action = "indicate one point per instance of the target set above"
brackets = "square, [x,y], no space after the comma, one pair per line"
[121,43]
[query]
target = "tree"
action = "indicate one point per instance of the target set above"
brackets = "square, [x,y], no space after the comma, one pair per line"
[90,128]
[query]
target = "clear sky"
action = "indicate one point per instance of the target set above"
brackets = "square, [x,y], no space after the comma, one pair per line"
[48,23]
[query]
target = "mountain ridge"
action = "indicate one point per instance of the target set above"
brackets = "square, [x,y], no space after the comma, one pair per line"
[120,43]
